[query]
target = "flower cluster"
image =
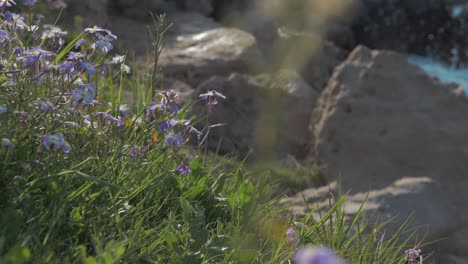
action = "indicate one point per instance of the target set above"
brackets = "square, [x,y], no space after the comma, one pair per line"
[413,256]
[34,55]
[55,141]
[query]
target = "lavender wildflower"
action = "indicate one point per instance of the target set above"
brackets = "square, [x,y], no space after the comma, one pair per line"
[88,67]
[3,109]
[211,98]
[57,141]
[80,43]
[317,255]
[164,126]
[66,66]
[103,43]
[76,55]
[413,256]
[124,109]
[195,131]
[173,139]
[7,143]
[13,21]
[292,235]
[6,3]
[118,122]
[182,169]
[96,29]
[45,105]
[32,55]
[30,2]
[138,152]
[85,93]
[53,32]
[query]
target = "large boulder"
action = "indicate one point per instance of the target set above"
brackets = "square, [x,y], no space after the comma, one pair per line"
[134,34]
[196,57]
[418,202]
[381,119]
[264,115]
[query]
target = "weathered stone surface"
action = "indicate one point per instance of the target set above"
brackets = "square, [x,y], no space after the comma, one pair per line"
[250,121]
[381,119]
[220,51]
[419,199]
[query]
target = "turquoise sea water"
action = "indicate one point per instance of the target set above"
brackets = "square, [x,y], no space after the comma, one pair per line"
[443,72]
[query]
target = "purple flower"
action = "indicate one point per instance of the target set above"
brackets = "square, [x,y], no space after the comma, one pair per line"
[85,93]
[164,126]
[118,122]
[45,105]
[144,149]
[6,3]
[88,67]
[53,32]
[4,36]
[211,98]
[195,131]
[7,143]
[292,235]
[183,169]
[155,106]
[124,109]
[30,2]
[413,256]
[138,152]
[13,21]
[66,66]
[79,43]
[76,55]
[57,141]
[174,122]
[317,255]
[173,139]
[32,55]
[3,108]
[103,43]
[96,29]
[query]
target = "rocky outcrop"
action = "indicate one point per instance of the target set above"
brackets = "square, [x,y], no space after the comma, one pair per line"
[381,120]
[220,51]
[263,115]
[418,202]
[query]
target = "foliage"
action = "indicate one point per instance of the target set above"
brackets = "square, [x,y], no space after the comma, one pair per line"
[85,181]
